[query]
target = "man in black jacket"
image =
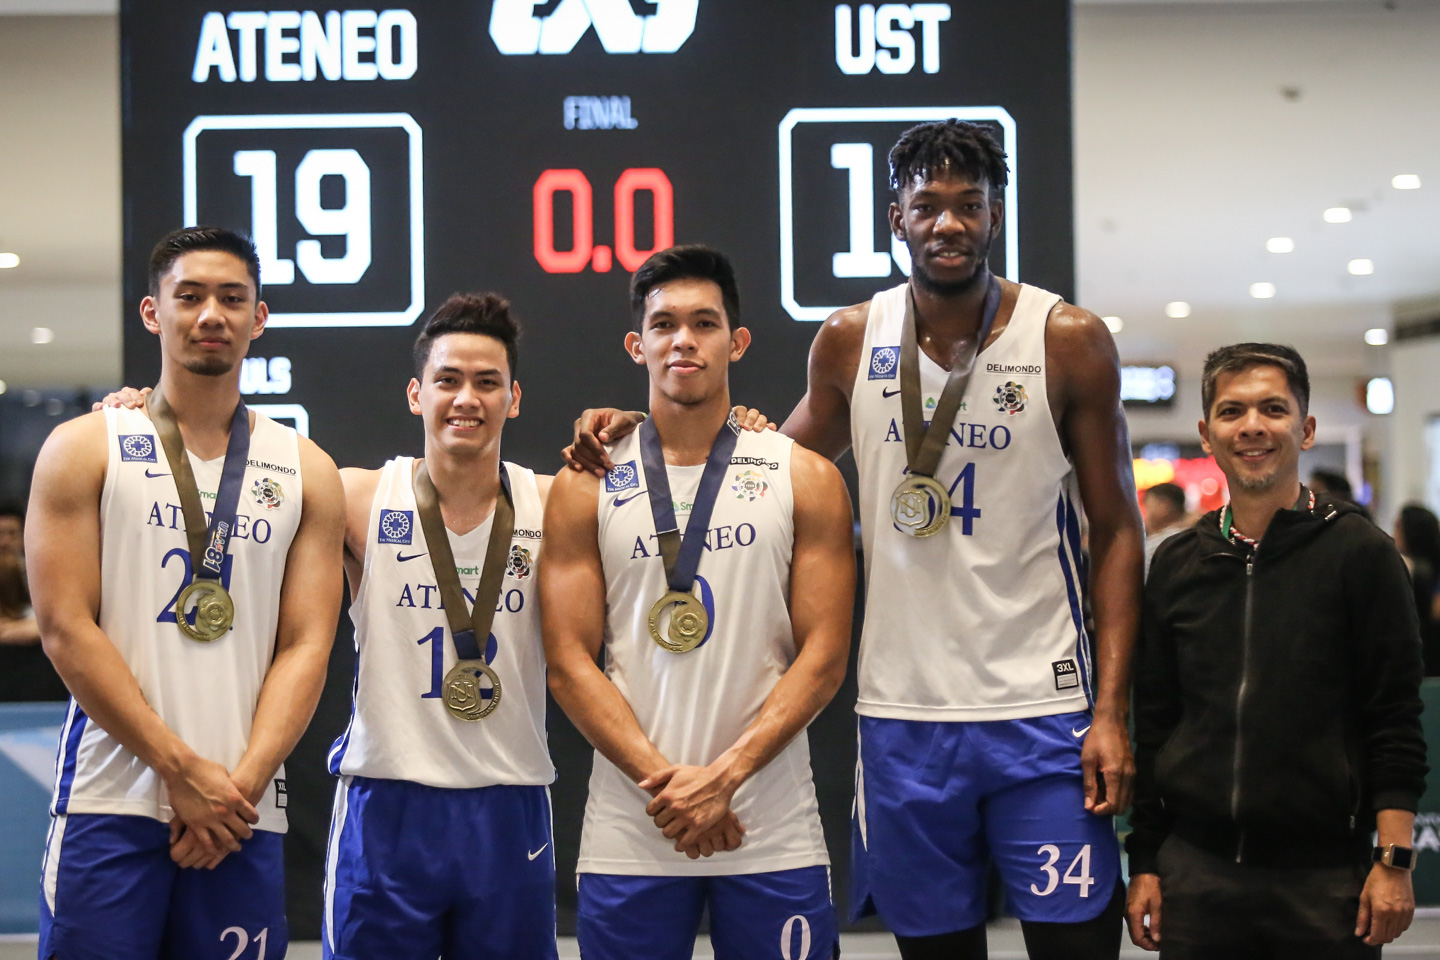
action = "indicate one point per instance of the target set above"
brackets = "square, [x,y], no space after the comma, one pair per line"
[1276,703]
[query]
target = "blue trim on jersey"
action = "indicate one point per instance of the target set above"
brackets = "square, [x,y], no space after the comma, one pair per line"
[1064,519]
[342,742]
[69,754]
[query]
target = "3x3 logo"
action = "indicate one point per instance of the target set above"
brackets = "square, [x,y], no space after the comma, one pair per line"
[518,32]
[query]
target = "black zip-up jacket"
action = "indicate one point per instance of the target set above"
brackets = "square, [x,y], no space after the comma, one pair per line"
[1277,694]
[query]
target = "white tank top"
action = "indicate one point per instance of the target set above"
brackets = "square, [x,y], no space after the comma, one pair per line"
[694,706]
[981,621]
[399,728]
[205,692]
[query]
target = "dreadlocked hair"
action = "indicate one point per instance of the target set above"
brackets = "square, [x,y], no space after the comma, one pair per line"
[966,148]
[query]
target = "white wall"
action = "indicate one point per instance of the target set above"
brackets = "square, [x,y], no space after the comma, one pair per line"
[1415,370]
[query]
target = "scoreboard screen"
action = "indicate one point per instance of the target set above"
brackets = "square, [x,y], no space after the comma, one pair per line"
[384,158]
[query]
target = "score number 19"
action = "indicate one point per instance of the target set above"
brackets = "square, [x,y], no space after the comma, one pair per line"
[583,249]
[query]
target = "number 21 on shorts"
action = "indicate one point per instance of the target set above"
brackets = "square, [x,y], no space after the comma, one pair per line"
[1077,873]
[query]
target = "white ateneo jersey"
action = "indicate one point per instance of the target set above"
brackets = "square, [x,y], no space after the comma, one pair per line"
[399,727]
[981,621]
[693,706]
[205,692]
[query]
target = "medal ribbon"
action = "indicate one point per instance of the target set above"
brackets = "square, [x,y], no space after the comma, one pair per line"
[682,555]
[923,445]
[466,630]
[207,543]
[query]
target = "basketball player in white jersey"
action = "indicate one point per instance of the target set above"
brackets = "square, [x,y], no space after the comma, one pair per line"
[699,716]
[193,675]
[440,840]
[986,731]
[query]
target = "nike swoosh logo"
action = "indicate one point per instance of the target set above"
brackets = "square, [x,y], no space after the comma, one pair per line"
[621,503]
[537,853]
[1081,732]
[152,476]
[402,558]
[889,393]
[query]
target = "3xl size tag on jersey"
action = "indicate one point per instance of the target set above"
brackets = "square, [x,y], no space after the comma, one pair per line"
[1067,675]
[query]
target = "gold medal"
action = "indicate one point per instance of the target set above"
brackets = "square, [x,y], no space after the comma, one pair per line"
[688,624]
[464,692]
[920,506]
[214,610]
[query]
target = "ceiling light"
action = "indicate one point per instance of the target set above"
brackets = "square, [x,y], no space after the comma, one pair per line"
[1405,181]
[1280,245]
[1377,336]
[1115,324]
[9,260]
[42,335]
[1337,215]
[1380,395]
[1177,310]
[3,387]
[1361,267]
[1262,291]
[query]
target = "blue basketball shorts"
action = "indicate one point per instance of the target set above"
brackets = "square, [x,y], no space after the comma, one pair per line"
[414,872]
[786,914]
[935,802]
[109,891]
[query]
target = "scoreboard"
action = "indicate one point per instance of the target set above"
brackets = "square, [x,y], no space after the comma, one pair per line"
[383,159]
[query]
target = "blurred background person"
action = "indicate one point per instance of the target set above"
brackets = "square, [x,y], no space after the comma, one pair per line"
[1417,534]
[25,672]
[12,532]
[1165,516]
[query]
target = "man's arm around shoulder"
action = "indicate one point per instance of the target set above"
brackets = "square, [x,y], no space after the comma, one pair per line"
[62,548]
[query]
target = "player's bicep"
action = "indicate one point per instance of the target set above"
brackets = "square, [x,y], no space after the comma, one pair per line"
[62,530]
[572,579]
[312,591]
[822,572]
[821,421]
[1094,426]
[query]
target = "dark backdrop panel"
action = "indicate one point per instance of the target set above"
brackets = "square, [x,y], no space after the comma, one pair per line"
[473,131]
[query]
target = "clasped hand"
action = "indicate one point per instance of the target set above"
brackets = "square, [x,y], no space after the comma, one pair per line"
[213,813]
[691,806]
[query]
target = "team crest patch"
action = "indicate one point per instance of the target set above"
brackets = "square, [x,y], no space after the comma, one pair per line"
[622,476]
[884,361]
[268,493]
[1010,398]
[396,526]
[749,485]
[137,448]
[519,564]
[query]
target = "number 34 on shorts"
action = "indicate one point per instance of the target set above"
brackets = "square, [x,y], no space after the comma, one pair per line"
[1077,873]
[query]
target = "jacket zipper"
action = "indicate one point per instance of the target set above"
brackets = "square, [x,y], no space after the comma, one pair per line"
[1240,700]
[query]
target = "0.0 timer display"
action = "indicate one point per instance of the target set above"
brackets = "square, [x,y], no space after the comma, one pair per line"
[581,249]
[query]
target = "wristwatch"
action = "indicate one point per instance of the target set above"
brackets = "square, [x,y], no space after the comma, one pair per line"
[1393,855]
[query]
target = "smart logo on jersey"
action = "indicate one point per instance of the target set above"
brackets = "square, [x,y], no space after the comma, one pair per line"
[749,485]
[396,526]
[622,476]
[268,493]
[519,564]
[137,448]
[1010,398]
[884,361]
[518,32]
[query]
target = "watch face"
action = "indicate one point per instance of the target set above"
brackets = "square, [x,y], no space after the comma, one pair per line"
[1402,857]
